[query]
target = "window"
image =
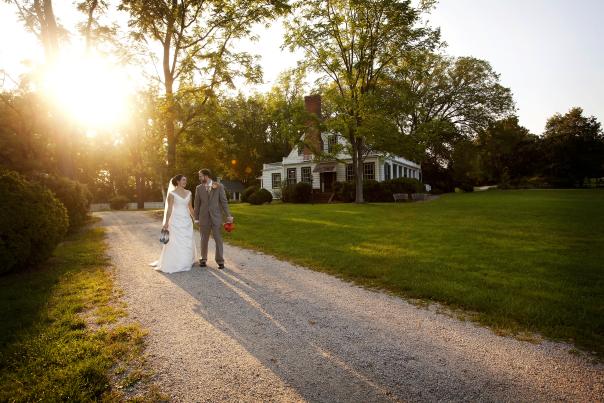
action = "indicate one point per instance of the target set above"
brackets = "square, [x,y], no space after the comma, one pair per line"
[300,149]
[291,176]
[276,181]
[331,142]
[405,174]
[387,171]
[369,171]
[400,171]
[349,173]
[306,175]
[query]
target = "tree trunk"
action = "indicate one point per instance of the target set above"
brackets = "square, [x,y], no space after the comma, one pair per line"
[140,191]
[169,86]
[357,165]
[359,181]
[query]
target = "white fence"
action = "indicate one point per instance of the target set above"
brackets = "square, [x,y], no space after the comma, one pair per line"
[130,206]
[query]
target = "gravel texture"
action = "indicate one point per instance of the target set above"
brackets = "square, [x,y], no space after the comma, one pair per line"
[267,330]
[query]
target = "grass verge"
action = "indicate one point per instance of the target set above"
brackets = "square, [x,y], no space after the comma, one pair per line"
[64,334]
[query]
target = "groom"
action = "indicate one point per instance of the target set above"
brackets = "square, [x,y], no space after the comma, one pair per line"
[210,203]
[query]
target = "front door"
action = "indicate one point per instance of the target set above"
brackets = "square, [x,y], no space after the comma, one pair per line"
[328,180]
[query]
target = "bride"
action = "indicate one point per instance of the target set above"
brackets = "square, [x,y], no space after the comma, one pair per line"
[179,254]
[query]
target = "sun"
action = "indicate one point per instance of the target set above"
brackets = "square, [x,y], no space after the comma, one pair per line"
[89,89]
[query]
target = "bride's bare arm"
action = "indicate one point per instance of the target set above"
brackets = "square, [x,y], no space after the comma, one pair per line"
[191,211]
[169,213]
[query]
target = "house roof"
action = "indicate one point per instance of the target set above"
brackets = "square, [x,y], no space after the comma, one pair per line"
[233,186]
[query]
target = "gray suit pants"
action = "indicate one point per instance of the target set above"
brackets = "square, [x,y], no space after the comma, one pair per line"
[205,237]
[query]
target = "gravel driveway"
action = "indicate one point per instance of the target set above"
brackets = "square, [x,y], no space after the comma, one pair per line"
[266,330]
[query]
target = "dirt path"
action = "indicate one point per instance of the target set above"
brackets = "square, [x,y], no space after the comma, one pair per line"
[266,330]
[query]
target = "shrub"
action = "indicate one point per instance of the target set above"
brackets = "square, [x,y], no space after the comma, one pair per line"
[260,197]
[118,202]
[287,192]
[466,186]
[345,191]
[265,195]
[248,192]
[302,192]
[74,195]
[374,191]
[403,185]
[32,222]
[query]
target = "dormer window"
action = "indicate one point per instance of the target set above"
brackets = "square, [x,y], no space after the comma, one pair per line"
[332,140]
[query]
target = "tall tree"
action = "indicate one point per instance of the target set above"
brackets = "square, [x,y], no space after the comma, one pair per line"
[464,91]
[574,147]
[507,151]
[197,55]
[353,43]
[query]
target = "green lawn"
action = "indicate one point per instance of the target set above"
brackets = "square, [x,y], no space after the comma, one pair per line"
[61,337]
[521,260]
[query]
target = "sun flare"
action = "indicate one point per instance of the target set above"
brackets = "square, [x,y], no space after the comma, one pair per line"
[90,89]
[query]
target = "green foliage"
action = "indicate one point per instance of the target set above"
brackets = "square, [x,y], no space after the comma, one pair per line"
[374,191]
[118,202]
[344,191]
[248,192]
[302,192]
[75,196]
[196,41]
[32,222]
[287,192]
[522,260]
[260,196]
[507,151]
[574,148]
[403,185]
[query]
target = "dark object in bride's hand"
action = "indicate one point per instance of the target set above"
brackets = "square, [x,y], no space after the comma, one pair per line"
[164,236]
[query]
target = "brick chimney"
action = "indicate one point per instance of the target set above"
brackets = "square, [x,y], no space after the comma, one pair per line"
[312,104]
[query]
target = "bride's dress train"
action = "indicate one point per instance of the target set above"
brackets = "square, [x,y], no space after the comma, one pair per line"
[180,253]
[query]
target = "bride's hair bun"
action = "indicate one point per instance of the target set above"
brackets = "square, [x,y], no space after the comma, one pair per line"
[176,179]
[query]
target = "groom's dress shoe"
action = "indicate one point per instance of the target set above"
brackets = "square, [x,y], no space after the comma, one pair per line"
[221,266]
[202,263]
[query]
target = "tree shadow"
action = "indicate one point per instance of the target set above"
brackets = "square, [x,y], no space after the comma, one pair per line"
[327,353]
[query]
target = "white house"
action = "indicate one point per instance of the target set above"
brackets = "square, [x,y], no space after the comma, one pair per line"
[301,166]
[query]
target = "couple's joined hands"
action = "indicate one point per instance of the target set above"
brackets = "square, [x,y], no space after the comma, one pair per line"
[230,219]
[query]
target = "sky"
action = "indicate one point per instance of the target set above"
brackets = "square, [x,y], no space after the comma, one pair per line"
[549,52]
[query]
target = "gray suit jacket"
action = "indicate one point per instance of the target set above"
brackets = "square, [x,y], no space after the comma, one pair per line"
[209,206]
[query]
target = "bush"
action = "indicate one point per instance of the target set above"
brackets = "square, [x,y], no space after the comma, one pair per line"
[345,191]
[302,192]
[260,197]
[118,202]
[32,222]
[374,191]
[287,192]
[403,185]
[466,186]
[74,195]
[248,192]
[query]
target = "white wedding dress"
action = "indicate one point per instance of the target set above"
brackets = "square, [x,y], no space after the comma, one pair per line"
[180,253]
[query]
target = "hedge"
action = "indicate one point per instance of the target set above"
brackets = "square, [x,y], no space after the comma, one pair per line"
[32,222]
[374,191]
